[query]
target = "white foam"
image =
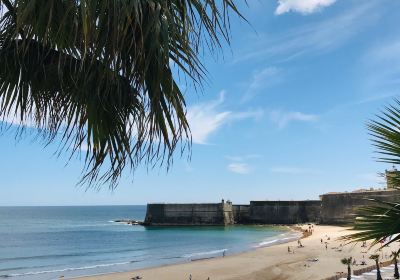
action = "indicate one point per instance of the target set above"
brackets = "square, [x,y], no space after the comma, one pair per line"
[285,237]
[66,269]
[214,252]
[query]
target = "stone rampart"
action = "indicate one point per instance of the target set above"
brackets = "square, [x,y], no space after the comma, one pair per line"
[241,214]
[333,208]
[284,212]
[340,208]
[189,214]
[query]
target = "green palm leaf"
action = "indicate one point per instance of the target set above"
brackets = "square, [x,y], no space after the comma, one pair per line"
[99,74]
[381,221]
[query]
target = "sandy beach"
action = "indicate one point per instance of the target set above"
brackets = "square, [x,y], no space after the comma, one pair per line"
[313,261]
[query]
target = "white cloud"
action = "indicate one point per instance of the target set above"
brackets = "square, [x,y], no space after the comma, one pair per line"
[292,170]
[282,119]
[206,118]
[260,80]
[14,119]
[316,37]
[239,163]
[302,6]
[239,167]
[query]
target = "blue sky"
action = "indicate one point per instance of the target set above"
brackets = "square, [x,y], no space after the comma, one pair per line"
[282,117]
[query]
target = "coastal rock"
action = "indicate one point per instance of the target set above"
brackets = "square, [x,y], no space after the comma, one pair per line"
[130,222]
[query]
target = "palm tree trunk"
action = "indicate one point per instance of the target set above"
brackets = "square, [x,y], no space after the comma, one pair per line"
[348,272]
[378,272]
[396,269]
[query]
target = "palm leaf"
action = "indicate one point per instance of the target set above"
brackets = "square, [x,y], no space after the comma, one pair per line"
[381,221]
[100,74]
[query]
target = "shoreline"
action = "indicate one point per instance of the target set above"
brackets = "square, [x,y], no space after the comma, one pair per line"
[294,232]
[313,261]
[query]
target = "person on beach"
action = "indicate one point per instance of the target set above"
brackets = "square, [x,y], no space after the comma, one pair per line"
[223,253]
[190,276]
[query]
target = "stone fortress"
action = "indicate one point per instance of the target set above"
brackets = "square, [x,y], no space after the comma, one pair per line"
[331,208]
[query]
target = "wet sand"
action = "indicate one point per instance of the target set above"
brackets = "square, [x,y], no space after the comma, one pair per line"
[313,261]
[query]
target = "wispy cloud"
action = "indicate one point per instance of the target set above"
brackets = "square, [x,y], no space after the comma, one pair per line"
[302,6]
[207,118]
[317,37]
[261,79]
[382,63]
[239,164]
[282,119]
[14,119]
[292,170]
[239,167]
[377,97]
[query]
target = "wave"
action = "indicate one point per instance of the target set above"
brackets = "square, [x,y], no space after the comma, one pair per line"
[214,252]
[81,254]
[284,237]
[65,269]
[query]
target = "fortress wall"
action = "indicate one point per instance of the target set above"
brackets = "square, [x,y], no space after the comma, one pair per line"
[333,208]
[241,214]
[339,208]
[189,214]
[284,212]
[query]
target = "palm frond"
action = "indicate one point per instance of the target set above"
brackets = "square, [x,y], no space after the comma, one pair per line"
[99,74]
[395,254]
[379,222]
[346,261]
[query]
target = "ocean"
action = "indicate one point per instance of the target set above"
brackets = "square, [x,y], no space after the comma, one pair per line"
[49,242]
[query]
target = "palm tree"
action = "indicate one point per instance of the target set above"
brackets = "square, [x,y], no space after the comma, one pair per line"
[380,221]
[347,261]
[395,255]
[378,272]
[102,76]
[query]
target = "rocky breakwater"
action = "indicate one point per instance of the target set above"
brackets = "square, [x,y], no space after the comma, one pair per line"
[130,222]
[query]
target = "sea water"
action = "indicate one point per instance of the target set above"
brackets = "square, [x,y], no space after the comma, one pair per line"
[49,242]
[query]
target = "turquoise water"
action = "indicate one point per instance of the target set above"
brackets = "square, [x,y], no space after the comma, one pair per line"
[47,242]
